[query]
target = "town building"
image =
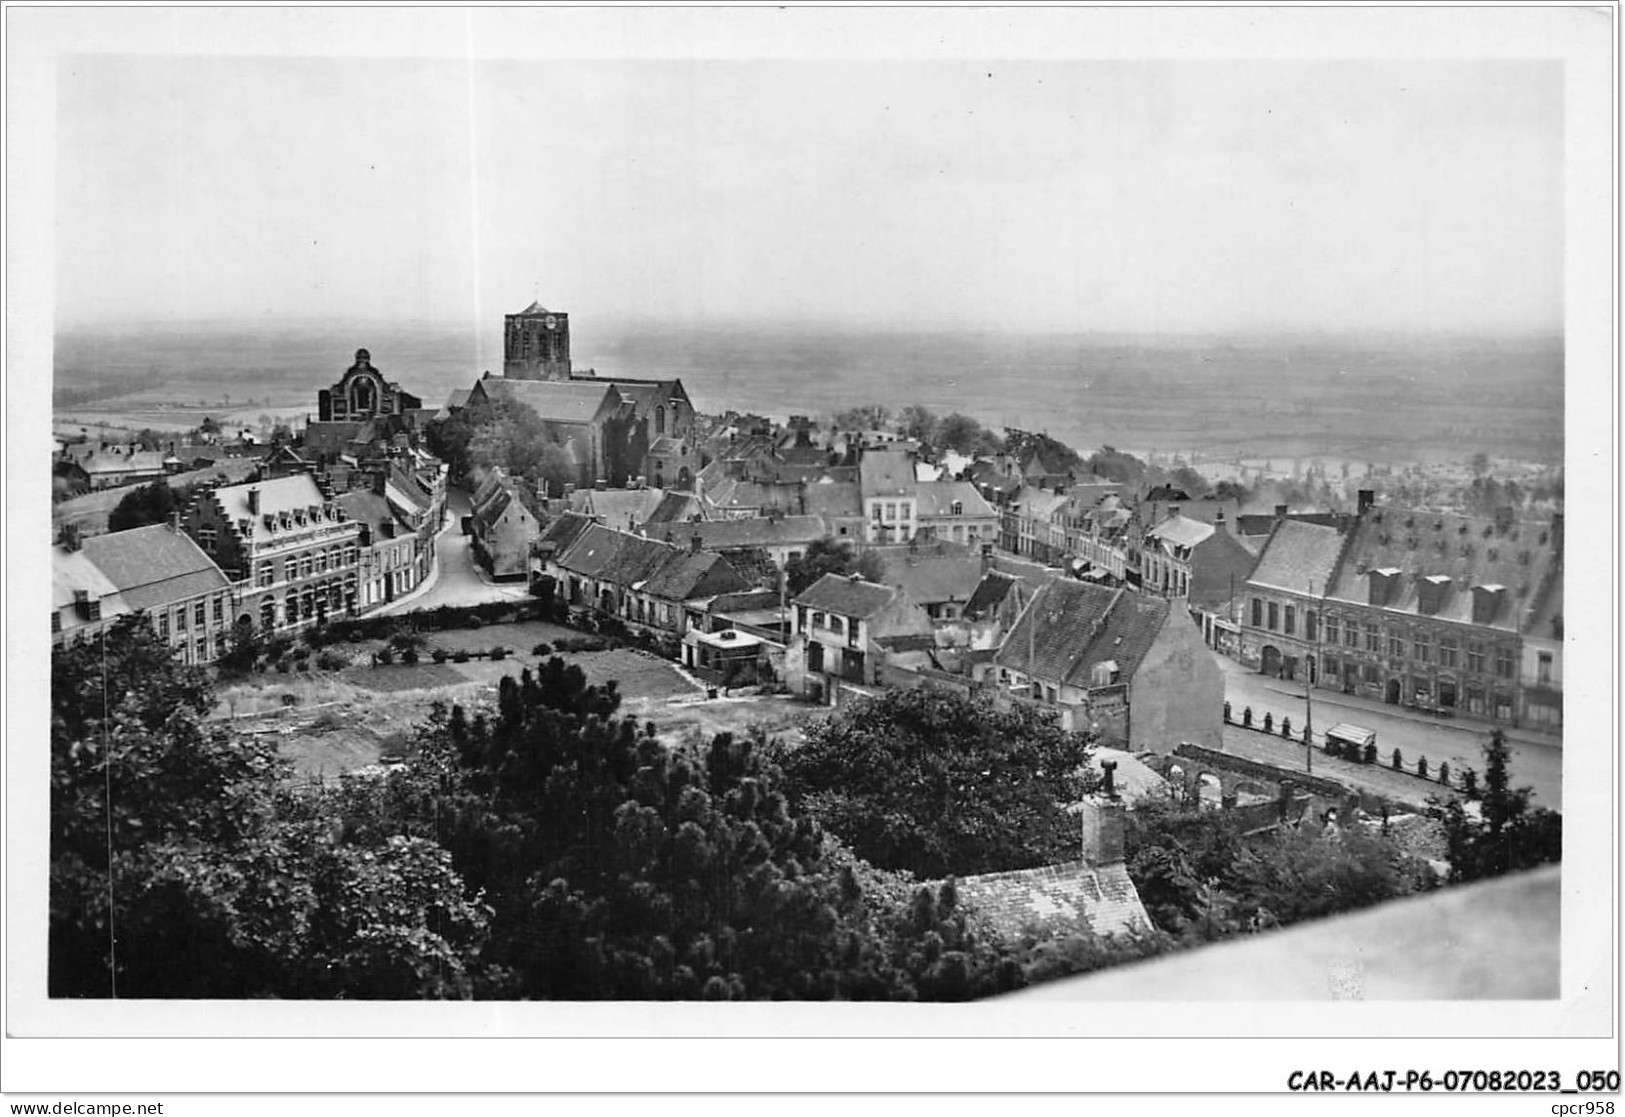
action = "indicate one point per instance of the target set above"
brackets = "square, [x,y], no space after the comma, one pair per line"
[576,417]
[955,511]
[155,570]
[362,395]
[293,551]
[1202,564]
[764,543]
[1130,665]
[886,479]
[839,504]
[505,519]
[1444,613]
[836,625]
[389,549]
[644,582]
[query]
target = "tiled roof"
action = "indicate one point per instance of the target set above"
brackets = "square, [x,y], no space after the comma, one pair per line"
[277,495]
[1298,557]
[72,571]
[565,529]
[1039,504]
[1070,626]
[758,531]
[647,565]
[674,508]
[564,401]
[367,507]
[617,508]
[930,578]
[833,498]
[154,566]
[989,594]
[886,473]
[836,593]
[1470,551]
[1104,898]
[936,498]
[1181,531]
[679,576]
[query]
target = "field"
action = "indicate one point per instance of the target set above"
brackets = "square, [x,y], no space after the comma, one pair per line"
[326,723]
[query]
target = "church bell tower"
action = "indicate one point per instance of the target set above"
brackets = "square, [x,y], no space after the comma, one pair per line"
[536,344]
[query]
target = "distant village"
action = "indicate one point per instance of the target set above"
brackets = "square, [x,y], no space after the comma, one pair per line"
[1015,572]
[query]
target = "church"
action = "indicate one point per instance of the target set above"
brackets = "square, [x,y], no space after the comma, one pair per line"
[617,429]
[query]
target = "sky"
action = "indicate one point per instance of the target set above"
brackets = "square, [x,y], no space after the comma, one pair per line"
[1038,196]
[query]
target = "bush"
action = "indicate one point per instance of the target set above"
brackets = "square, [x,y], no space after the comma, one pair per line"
[499,652]
[439,655]
[1469,783]
[300,653]
[303,664]
[544,648]
[460,657]
[383,657]
[1398,762]
[331,661]
[409,656]
[281,667]
[290,699]
[474,622]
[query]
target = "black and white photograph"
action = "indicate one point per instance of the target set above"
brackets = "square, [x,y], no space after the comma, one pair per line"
[813,523]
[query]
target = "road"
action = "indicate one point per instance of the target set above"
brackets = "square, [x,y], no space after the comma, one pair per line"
[457,579]
[1535,762]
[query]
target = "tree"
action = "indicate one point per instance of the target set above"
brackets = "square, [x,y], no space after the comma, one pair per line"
[1191,481]
[934,784]
[829,556]
[961,433]
[918,423]
[1116,465]
[148,504]
[1508,834]
[182,864]
[210,424]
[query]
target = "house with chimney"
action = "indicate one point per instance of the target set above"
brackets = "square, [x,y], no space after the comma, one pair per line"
[890,502]
[644,582]
[1440,612]
[1131,666]
[291,548]
[956,512]
[389,548]
[1093,893]
[505,518]
[1201,564]
[157,571]
[836,625]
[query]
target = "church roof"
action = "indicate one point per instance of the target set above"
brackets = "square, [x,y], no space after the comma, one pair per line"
[535,308]
[565,401]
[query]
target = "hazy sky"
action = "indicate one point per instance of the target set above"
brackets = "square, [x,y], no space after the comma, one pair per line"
[1075,195]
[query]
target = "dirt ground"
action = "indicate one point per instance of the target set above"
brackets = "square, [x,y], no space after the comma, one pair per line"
[327,723]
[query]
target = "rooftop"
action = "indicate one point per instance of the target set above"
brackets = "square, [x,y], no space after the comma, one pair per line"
[1071,625]
[849,597]
[1299,557]
[1103,898]
[154,566]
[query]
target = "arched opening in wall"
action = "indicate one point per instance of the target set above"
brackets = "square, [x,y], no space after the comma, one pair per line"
[268,614]
[1390,693]
[1271,660]
[660,420]
[1209,791]
[363,397]
[1447,694]
[606,601]
[685,479]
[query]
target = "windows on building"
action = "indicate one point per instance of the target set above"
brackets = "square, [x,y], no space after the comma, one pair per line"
[1258,613]
[1396,646]
[1275,616]
[1503,662]
[958,508]
[1447,651]
[266,574]
[1372,675]
[206,538]
[1475,657]
[1329,665]
[891,511]
[219,610]
[180,619]
[1311,627]
[1331,630]
[200,614]
[56,621]
[874,511]
[1291,617]
[1422,649]
[163,624]
[1373,638]
[1543,668]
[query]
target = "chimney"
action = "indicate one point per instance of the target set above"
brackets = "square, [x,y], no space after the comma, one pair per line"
[1280,511]
[600,484]
[694,542]
[378,483]
[1103,816]
[1366,500]
[987,557]
[71,538]
[254,501]
[175,522]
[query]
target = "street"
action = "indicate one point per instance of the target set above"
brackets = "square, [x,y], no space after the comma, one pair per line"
[457,578]
[1534,762]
